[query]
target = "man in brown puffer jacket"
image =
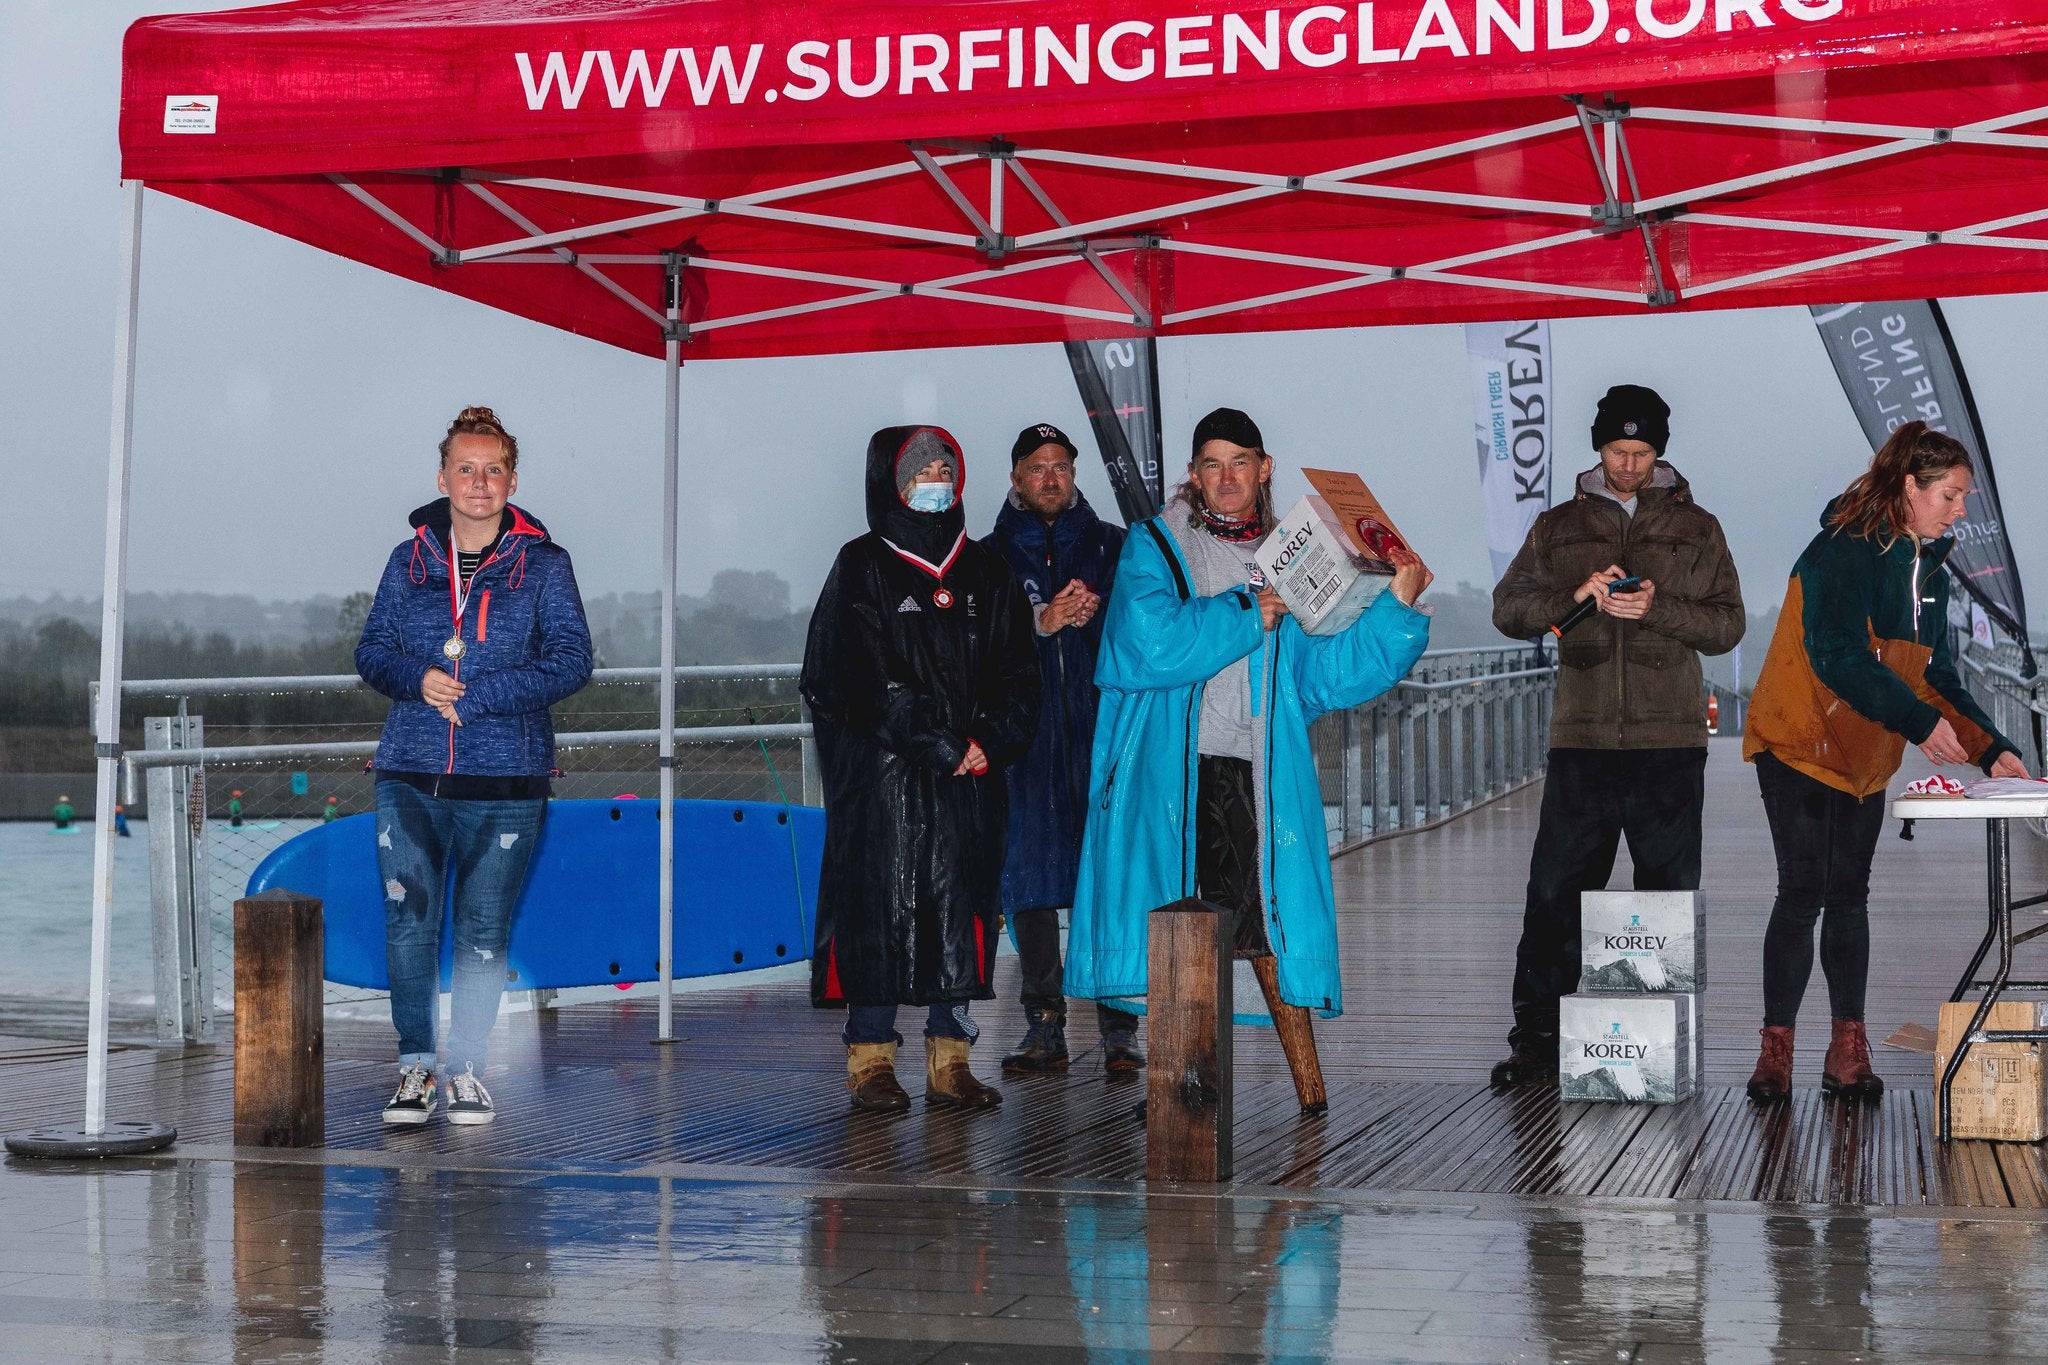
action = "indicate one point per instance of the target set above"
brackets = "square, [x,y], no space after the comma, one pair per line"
[1628,729]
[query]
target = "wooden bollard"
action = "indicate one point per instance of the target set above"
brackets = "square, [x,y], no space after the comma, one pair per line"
[1188,1009]
[280,1042]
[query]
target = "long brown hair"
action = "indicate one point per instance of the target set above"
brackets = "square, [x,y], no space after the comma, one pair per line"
[481,422]
[1874,506]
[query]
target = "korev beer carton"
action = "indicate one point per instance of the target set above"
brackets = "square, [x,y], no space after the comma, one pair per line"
[1628,1048]
[1640,941]
[1327,557]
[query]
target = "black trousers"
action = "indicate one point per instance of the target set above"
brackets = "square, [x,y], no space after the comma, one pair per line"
[1824,839]
[1038,953]
[1592,799]
[1227,847]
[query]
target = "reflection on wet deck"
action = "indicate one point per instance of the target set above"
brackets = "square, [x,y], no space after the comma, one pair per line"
[177,1260]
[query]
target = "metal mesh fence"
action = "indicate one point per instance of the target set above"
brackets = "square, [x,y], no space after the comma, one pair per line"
[283,799]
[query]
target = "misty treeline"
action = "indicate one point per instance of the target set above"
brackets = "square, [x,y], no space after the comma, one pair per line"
[49,652]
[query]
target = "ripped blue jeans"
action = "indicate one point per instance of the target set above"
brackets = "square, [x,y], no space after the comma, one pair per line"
[487,844]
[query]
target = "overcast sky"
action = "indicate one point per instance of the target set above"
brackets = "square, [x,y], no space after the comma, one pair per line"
[289,402]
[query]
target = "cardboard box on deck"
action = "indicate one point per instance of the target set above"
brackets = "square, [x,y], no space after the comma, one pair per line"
[1998,1094]
[1631,1049]
[1326,557]
[1638,941]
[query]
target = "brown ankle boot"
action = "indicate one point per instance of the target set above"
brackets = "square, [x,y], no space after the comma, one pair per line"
[1772,1080]
[948,1081]
[871,1076]
[1847,1070]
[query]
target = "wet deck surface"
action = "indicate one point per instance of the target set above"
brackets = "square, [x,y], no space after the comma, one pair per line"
[715,1199]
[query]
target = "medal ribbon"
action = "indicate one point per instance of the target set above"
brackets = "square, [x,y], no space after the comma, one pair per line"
[458,593]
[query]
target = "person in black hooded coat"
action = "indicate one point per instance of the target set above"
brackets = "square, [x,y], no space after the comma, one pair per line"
[922,679]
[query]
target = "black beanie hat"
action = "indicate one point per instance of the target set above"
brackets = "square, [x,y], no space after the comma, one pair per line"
[1043,434]
[1631,412]
[1227,424]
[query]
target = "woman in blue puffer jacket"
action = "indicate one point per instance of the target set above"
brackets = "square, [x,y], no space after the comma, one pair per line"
[476,631]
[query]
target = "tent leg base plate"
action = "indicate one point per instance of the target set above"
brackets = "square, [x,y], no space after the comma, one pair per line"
[117,1139]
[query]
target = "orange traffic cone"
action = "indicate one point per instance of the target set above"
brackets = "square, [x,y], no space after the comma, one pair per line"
[1713,713]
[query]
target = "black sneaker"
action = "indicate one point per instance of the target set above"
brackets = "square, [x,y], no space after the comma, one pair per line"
[468,1101]
[413,1104]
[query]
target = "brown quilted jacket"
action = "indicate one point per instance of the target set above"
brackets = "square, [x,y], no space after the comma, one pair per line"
[1627,684]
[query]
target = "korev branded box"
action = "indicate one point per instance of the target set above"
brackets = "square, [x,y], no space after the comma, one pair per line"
[1637,941]
[1328,557]
[1326,584]
[1635,1049]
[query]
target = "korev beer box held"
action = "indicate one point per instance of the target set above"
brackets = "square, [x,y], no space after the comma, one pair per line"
[1630,1048]
[1327,557]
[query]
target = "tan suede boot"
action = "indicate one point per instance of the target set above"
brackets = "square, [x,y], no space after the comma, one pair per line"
[948,1081]
[871,1076]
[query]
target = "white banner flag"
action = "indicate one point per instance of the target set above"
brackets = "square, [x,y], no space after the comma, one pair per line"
[1511,374]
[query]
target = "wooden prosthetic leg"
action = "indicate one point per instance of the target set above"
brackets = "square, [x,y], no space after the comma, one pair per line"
[1297,1039]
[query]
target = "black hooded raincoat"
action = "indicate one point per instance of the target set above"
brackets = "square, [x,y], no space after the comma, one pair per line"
[921,641]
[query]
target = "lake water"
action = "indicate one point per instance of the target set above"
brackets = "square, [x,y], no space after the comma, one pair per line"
[46,915]
[46,912]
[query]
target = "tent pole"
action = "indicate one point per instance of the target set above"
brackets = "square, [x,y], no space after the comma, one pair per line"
[97,1137]
[671,420]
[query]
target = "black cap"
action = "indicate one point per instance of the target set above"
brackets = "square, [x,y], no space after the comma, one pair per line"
[1227,424]
[1043,434]
[1631,412]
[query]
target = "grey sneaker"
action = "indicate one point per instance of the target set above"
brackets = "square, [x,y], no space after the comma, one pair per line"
[414,1101]
[468,1101]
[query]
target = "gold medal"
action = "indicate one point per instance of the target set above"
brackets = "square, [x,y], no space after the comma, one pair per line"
[454,648]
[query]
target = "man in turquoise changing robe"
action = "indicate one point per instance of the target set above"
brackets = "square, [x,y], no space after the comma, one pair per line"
[1202,780]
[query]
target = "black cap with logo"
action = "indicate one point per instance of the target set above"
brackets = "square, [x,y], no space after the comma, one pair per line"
[1043,434]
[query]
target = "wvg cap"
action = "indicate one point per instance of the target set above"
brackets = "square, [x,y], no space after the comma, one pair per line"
[1044,434]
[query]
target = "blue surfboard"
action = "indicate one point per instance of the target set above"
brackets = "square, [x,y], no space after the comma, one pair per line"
[746,885]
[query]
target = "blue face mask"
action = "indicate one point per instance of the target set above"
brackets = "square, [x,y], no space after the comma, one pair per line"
[929,497]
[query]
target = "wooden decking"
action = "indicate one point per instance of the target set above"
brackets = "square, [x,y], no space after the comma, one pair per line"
[1430,923]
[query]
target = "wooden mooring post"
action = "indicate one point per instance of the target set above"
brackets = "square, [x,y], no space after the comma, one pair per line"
[1188,1009]
[280,1042]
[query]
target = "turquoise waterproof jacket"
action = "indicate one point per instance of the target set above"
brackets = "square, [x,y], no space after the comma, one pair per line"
[1161,645]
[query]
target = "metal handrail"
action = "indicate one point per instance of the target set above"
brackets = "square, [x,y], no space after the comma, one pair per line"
[350,682]
[225,754]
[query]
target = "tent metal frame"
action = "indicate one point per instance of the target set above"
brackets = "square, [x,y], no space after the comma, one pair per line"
[1091,244]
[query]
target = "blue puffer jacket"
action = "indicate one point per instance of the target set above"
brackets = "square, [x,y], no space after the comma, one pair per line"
[528,648]
[1161,646]
[1049,788]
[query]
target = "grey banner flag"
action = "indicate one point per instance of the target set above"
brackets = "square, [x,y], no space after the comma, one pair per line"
[1898,363]
[1119,383]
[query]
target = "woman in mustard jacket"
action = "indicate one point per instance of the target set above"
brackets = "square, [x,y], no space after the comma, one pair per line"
[1860,666]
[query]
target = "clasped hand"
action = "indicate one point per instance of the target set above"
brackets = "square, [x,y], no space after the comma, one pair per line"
[441,692]
[1073,605]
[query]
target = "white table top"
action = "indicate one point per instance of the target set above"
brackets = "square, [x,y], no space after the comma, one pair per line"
[1967,808]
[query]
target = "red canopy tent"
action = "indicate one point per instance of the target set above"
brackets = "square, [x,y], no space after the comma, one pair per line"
[868,176]
[723,178]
